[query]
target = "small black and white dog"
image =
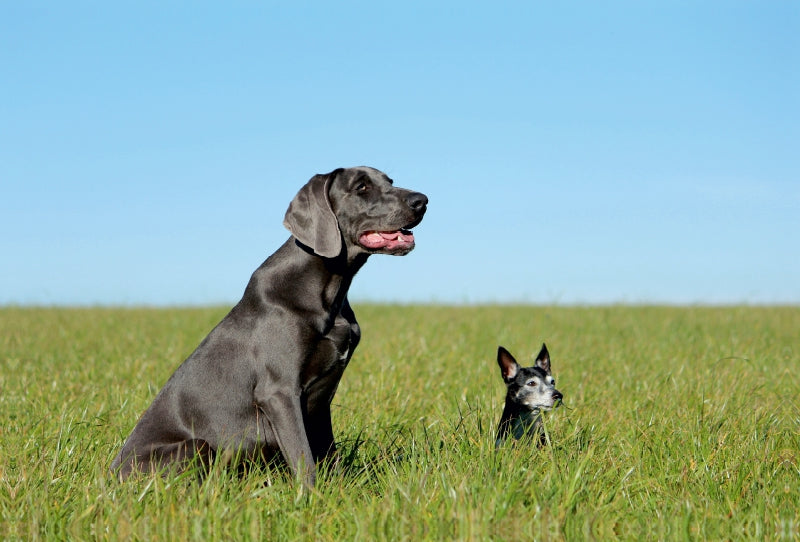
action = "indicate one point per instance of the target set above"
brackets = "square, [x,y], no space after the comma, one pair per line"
[530,391]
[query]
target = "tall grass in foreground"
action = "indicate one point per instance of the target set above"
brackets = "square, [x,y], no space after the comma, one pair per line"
[678,423]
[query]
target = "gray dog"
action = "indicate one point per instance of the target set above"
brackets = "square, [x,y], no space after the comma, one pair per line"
[260,384]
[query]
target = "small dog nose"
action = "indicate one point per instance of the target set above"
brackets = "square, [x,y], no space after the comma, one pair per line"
[417,201]
[557,396]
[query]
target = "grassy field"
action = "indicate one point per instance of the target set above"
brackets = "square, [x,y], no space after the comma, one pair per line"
[679,423]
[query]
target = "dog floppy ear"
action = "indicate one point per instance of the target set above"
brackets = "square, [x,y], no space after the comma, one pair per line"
[543,359]
[310,217]
[508,365]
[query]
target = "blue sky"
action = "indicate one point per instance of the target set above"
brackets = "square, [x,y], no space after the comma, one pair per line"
[573,152]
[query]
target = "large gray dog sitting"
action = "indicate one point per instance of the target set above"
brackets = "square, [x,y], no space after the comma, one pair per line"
[261,383]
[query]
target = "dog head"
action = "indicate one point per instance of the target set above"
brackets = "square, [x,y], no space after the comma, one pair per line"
[358,209]
[531,388]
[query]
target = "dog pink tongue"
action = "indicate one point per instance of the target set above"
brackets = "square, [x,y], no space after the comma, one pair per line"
[387,239]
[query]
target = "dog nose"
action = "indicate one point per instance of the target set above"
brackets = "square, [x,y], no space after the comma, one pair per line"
[417,201]
[557,396]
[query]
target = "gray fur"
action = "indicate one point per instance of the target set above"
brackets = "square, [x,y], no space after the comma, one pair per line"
[260,384]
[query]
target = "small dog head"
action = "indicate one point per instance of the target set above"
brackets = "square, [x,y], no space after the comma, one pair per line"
[529,388]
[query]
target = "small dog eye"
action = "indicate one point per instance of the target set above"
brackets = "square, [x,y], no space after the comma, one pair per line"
[361,188]
[530,383]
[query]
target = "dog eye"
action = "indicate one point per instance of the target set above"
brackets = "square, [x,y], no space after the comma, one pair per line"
[530,383]
[362,188]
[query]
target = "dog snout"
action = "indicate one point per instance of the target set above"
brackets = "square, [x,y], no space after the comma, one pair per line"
[417,201]
[557,396]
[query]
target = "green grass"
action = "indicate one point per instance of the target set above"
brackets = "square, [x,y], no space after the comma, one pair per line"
[679,423]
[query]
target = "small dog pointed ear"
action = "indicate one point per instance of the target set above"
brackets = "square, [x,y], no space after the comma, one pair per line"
[310,217]
[543,359]
[508,365]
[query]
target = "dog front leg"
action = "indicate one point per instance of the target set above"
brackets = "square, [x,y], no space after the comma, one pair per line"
[285,417]
[319,429]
